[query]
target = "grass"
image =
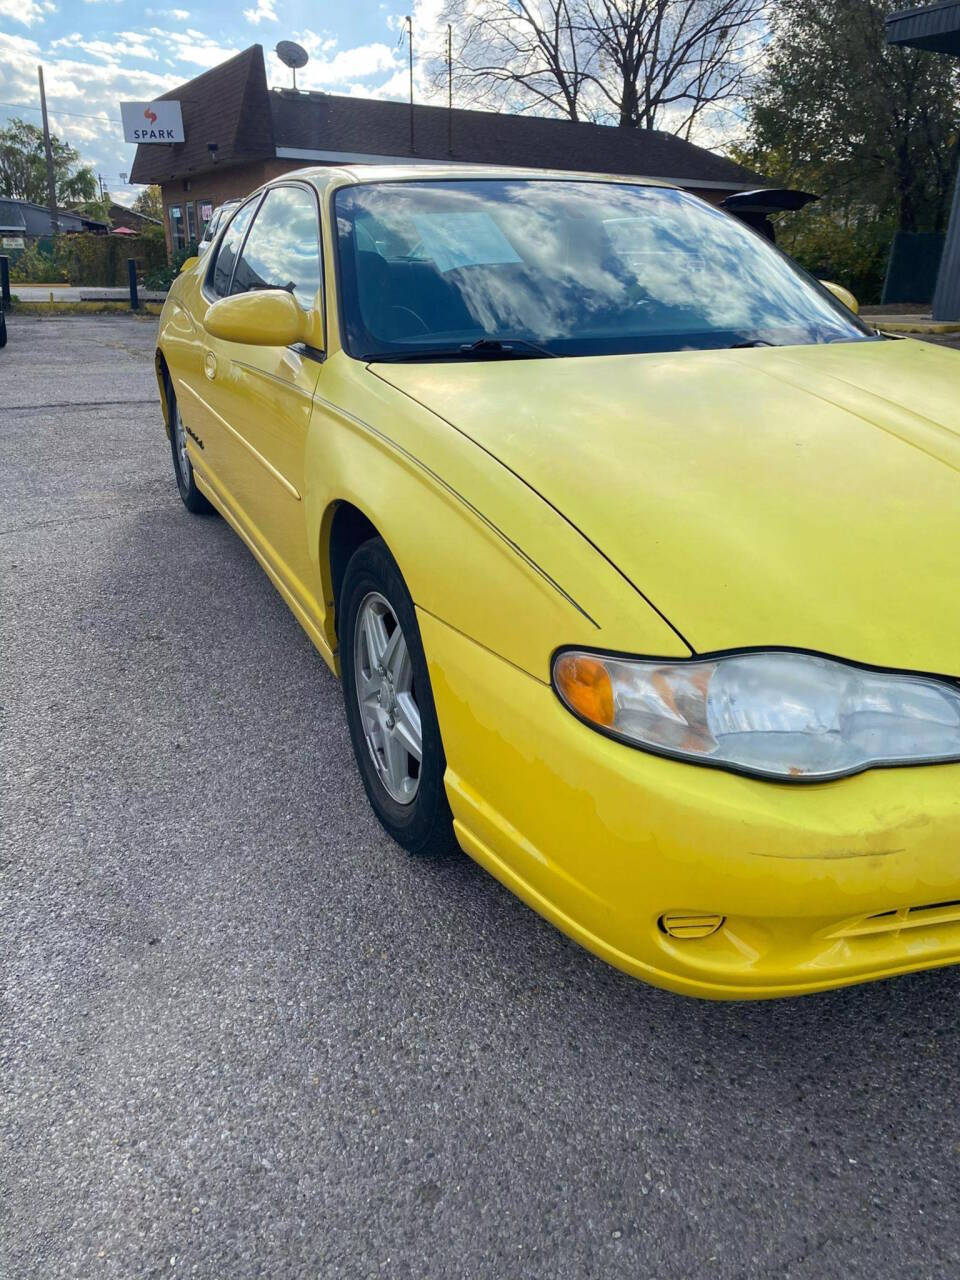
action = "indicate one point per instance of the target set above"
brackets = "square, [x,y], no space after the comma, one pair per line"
[103,308]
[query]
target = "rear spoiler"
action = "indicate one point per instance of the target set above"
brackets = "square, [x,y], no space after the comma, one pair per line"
[767,200]
[754,207]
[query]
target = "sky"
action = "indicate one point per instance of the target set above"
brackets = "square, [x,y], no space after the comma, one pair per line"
[97,53]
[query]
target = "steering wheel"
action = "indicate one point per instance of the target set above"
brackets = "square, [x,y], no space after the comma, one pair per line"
[408,311]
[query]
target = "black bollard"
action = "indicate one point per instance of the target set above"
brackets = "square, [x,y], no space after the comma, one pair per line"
[132,273]
[5,283]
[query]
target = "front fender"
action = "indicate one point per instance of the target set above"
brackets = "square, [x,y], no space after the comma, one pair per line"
[478,548]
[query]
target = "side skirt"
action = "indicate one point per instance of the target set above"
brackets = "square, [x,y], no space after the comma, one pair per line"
[309,624]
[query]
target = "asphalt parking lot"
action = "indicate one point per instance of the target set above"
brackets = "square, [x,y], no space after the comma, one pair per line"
[244,1035]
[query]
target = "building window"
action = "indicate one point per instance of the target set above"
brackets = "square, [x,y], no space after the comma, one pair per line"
[204,214]
[177,233]
[191,224]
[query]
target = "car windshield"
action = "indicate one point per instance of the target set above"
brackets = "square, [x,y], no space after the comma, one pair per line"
[533,267]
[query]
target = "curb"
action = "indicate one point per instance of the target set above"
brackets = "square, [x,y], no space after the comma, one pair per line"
[912,326]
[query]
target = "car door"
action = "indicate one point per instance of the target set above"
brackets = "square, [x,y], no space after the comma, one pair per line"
[194,365]
[265,393]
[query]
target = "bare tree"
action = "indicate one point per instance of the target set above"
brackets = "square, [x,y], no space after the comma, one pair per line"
[639,63]
[527,53]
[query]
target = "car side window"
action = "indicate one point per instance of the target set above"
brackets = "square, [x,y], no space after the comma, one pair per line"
[211,228]
[222,272]
[282,250]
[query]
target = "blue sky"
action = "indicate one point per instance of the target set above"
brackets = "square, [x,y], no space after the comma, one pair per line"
[97,53]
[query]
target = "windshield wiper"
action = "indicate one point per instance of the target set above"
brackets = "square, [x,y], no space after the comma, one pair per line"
[483,348]
[751,342]
[507,347]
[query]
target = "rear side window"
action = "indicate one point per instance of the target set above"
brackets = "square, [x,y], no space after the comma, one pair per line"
[282,250]
[229,248]
[211,228]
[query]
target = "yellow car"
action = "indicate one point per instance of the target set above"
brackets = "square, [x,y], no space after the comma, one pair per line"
[636,552]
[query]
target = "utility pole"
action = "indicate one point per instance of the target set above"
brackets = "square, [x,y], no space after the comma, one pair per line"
[51,182]
[409,21]
[100,180]
[449,88]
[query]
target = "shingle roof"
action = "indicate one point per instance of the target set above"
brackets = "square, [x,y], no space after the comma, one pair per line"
[231,105]
[935,27]
[368,126]
[228,105]
[121,211]
[24,216]
[11,216]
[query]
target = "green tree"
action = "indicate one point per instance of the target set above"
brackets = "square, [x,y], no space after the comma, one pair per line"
[98,208]
[23,170]
[150,202]
[873,125]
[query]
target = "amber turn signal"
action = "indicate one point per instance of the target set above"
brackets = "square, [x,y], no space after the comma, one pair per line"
[585,687]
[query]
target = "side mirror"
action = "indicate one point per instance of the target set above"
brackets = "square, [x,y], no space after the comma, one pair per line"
[263,318]
[188,263]
[844,295]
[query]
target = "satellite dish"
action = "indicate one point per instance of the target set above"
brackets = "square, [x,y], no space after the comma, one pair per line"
[292,55]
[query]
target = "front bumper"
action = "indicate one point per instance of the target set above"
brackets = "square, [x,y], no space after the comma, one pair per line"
[819,885]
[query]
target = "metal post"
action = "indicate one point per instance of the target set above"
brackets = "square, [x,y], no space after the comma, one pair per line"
[449,89]
[946,299]
[132,273]
[48,150]
[409,22]
[4,284]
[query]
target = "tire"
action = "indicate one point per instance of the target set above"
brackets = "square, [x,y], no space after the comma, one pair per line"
[190,495]
[408,798]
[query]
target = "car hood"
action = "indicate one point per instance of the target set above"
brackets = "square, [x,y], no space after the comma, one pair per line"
[804,496]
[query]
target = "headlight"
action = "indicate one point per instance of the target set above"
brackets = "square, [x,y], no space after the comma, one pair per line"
[777,713]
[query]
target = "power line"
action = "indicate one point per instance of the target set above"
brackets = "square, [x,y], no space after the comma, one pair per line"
[23,106]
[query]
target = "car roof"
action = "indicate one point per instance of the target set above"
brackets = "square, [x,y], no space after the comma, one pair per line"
[327,177]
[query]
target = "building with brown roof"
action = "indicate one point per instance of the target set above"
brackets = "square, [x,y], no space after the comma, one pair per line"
[239,134]
[130,219]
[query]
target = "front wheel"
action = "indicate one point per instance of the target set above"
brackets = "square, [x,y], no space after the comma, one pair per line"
[190,495]
[389,703]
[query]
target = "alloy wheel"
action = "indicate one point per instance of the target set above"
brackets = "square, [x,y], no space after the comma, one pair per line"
[389,713]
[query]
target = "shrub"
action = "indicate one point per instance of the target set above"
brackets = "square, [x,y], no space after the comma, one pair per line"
[33,266]
[849,247]
[162,277]
[102,260]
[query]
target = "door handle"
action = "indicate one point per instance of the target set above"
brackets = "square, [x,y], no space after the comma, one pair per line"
[210,365]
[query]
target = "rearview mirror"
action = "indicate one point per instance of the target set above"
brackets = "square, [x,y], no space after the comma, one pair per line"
[264,318]
[844,295]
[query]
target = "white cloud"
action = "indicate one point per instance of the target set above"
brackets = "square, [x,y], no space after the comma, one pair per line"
[26,11]
[264,12]
[135,46]
[344,70]
[315,42]
[82,97]
[181,15]
[353,64]
[194,47]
